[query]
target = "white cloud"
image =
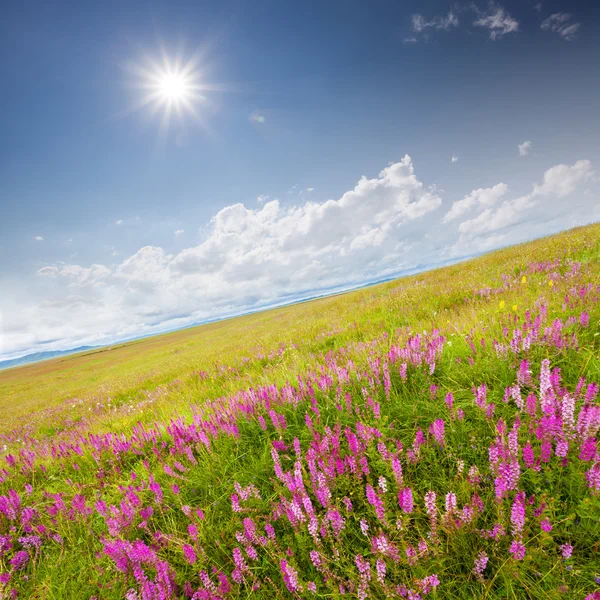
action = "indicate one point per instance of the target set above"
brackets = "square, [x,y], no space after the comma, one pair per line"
[561,23]
[372,237]
[490,220]
[420,24]
[497,20]
[559,181]
[145,269]
[525,148]
[562,180]
[481,196]
[454,158]
[38,238]
[49,271]
[179,232]
[310,189]
[538,6]
[76,275]
[250,257]
[119,222]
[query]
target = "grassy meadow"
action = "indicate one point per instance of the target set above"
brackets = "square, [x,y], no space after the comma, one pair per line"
[434,436]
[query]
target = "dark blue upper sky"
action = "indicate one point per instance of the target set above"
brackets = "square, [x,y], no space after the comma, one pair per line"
[342,89]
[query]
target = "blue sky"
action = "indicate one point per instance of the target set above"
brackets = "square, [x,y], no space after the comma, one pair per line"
[112,226]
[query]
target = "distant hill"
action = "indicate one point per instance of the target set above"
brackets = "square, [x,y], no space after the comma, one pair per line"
[39,356]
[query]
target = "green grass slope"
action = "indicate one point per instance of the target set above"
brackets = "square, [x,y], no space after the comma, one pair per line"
[434,435]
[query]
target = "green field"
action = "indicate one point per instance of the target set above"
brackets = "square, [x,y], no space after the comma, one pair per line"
[272,455]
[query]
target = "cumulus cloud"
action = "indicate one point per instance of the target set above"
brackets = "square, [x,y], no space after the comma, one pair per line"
[248,258]
[38,238]
[479,197]
[558,182]
[561,23]
[454,158]
[562,180]
[497,20]
[179,232]
[273,237]
[119,222]
[525,148]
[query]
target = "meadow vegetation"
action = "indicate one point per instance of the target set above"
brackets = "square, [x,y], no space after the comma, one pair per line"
[434,436]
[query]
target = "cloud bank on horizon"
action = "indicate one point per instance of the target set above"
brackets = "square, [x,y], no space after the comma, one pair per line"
[251,258]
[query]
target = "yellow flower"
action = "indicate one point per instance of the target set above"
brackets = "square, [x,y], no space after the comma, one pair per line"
[501,304]
[551,283]
[515,307]
[524,280]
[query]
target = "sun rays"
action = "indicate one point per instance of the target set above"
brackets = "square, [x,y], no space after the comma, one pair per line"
[169,88]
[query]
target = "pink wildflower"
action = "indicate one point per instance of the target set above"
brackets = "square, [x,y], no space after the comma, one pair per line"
[290,577]
[451,505]
[517,549]
[397,469]
[376,502]
[517,514]
[189,554]
[19,560]
[480,564]
[546,525]
[364,526]
[430,503]
[380,566]
[437,430]
[405,500]
[566,550]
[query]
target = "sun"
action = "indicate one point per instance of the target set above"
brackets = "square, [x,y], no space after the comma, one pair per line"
[169,87]
[174,87]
